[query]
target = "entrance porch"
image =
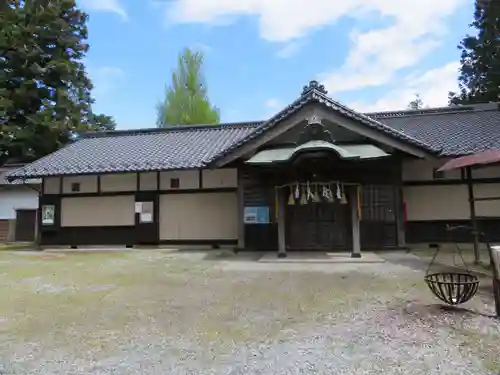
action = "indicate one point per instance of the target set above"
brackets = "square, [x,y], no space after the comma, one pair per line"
[324,197]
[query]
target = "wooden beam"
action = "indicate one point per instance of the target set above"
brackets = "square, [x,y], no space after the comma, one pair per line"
[281,223]
[473,218]
[356,244]
[241,209]
[487,199]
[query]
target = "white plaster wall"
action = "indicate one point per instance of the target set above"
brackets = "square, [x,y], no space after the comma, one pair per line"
[10,200]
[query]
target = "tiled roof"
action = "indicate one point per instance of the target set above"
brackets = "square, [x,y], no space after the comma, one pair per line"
[182,147]
[455,130]
[9,168]
[448,131]
[315,93]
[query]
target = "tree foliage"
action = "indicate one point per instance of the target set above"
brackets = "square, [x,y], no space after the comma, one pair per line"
[479,79]
[416,103]
[186,99]
[45,93]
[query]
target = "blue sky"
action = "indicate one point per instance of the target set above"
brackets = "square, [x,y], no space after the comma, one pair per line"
[370,54]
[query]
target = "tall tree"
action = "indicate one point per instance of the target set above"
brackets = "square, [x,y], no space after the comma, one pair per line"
[186,99]
[416,103]
[479,79]
[45,93]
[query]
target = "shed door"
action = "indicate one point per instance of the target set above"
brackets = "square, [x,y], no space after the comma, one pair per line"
[25,225]
[199,217]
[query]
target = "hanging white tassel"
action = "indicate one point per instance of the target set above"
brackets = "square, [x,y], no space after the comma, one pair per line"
[325,193]
[310,195]
[328,194]
[291,201]
[297,191]
[316,195]
[303,198]
[343,200]
[339,194]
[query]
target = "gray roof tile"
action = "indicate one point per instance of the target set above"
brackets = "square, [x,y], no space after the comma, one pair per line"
[455,130]
[448,131]
[9,168]
[182,147]
[316,94]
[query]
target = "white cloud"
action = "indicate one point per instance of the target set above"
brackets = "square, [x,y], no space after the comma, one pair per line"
[112,6]
[289,49]
[272,106]
[433,87]
[105,79]
[413,30]
[378,54]
[273,103]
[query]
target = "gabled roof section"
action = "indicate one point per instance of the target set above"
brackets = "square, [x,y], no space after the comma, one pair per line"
[181,147]
[316,93]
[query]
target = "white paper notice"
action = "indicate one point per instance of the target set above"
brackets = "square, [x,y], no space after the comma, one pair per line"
[138,207]
[146,218]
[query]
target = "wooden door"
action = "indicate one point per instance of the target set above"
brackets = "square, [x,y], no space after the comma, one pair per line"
[25,225]
[379,214]
[318,226]
[146,219]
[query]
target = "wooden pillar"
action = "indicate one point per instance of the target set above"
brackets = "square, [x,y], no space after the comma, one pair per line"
[356,243]
[241,212]
[472,208]
[281,224]
[400,216]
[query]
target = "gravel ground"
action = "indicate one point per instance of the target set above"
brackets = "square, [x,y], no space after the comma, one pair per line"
[155,312]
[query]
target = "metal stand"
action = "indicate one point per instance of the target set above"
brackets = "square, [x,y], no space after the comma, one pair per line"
[494,252]
[453,288]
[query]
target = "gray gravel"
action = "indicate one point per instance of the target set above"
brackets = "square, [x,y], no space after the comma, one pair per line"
[386,323]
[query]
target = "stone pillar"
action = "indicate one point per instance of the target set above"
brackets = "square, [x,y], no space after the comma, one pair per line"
[356,244]
[281,224]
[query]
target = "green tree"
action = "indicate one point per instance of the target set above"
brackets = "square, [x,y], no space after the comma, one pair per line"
[45,93]
[479,79]
[103,123]
[186,99]
[416,103]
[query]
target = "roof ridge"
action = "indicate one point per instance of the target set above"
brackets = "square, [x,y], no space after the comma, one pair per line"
[477,107]
[169,129]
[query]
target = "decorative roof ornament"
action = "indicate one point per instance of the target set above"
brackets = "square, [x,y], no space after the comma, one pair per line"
[314,85]
[314,119]
[315,131]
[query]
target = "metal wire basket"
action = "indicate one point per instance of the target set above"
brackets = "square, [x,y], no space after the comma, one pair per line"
[451,287]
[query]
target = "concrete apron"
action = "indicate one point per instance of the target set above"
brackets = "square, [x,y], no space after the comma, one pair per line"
[321,257]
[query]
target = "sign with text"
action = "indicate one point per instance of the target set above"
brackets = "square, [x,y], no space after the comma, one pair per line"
[256,215]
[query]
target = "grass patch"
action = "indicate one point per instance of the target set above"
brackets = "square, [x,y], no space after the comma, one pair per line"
[16,246]
[92,303]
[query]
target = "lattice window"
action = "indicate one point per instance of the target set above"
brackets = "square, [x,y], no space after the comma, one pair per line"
[378,203]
